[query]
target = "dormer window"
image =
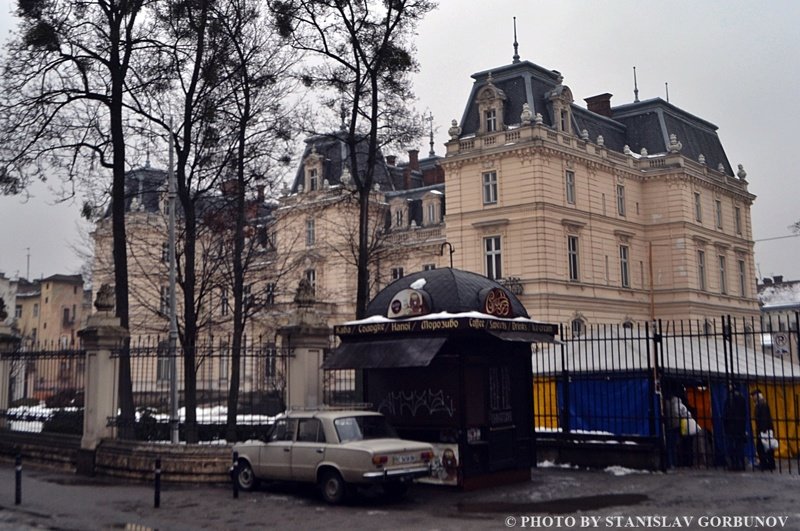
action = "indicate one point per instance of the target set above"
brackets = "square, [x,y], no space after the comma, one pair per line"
[490,103]
[398,218]
[564,120]
[491,120]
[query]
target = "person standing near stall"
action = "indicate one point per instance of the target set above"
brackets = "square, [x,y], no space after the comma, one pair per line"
[764,434]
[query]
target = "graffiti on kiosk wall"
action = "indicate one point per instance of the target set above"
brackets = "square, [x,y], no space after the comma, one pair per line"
[427,402]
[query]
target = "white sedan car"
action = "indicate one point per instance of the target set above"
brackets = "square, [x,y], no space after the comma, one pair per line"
[334,449]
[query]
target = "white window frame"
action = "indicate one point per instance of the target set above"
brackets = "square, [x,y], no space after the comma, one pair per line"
[429,267]
[573,258]
[397,273]
[313,180]
[224,305]
[493,256]
[489,184]
[569,183]
[398,217]
[491,120]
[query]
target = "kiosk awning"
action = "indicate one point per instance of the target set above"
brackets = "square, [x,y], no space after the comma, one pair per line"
[388,353]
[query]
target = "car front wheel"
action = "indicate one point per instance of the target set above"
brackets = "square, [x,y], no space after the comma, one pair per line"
[333,487]
[245,477]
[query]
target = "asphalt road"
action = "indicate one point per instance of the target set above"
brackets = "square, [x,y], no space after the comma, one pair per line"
[554,498]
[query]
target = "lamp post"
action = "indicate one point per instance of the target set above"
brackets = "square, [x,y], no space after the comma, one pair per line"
[174,421]
[452,251]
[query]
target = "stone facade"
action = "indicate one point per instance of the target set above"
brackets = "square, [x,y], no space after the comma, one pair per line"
[591,230]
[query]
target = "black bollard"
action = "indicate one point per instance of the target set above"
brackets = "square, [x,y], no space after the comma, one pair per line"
[234,473]
[18,484]
[157,499]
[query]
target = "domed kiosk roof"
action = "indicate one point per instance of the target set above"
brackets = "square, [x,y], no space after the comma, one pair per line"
[410,320]
[448,290]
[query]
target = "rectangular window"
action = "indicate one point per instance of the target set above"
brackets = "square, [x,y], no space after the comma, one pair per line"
[624,272]
[164,300]
[723,280]
[621,199]
[18,312]
[698,208]
[493,257]
[66,321]
[429,267]
[313,183]
[270,293]
[162,361]
[718,209]
[224,306]
[701,269]
[165,253]
[572,258]
[310,232]
[491,121]
[490,188]
[36,309]
[742,278]
[311,276]
[248,300]
[397,273]
[398,218]
[431,213]
[569,179]
[737,220]
[565,121]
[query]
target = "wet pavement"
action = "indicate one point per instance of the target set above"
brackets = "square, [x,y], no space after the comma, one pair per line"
[554,498]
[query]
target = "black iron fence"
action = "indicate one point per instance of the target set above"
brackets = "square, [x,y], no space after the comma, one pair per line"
[699,390]
[45,388]
[262,373]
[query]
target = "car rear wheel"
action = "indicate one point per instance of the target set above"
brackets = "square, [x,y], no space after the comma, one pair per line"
[333,487]
[245,477]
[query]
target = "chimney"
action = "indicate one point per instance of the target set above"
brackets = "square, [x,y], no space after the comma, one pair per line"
[260,193]
[600,104]
[777,279]
[391,160]
[767,281]
[413,159]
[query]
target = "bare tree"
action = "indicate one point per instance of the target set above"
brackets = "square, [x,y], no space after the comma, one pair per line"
[366,53]
[68,77]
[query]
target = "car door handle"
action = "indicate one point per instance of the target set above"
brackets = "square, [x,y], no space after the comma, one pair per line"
[320,451]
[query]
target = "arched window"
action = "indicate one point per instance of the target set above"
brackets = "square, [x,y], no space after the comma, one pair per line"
[578,327]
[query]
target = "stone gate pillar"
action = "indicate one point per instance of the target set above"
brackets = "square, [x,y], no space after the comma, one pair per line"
[101,337]
[305,339]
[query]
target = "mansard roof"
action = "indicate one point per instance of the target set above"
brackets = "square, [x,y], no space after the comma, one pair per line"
[644,124]
[334,152]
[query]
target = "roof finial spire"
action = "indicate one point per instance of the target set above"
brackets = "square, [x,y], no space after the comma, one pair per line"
[666,88]
[429,119]
[516,45]
[635,87]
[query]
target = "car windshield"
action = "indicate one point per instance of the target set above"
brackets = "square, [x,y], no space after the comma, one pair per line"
[363,427]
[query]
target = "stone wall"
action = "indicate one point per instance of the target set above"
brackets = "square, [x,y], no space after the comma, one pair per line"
[123,459]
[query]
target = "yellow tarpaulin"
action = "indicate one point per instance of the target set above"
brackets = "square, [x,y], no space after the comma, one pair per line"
[545,403]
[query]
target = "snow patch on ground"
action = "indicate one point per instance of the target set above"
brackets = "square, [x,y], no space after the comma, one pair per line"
[623,471]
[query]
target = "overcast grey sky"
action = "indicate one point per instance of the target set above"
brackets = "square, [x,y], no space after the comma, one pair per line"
[731,62]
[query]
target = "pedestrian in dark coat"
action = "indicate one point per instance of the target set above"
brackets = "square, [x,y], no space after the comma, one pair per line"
[734,419]
[763,416]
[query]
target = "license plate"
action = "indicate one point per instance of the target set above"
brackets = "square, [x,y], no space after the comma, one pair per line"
[403,459]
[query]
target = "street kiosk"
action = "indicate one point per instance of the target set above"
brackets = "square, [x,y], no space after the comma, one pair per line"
[446,356]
